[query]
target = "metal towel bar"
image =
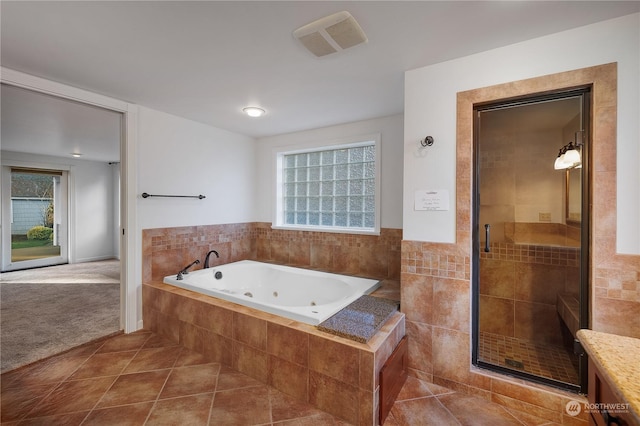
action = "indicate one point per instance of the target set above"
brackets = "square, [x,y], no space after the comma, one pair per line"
[200,197]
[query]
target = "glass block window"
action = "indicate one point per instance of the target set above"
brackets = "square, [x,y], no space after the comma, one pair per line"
[330,188]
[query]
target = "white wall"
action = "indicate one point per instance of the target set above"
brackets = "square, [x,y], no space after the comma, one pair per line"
[390,130]
[430,108]
[177,156]
[94,218]
[92,204]
[115,179]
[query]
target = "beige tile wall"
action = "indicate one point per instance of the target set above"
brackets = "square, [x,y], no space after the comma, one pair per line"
[331,373]
[441,352]
[519,287]
[166,250]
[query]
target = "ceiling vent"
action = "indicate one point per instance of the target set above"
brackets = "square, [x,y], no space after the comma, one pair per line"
[331,34]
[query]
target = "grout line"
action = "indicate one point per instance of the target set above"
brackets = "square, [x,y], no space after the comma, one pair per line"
[269,399]
[58,384]
[116,377]
[423,397]
[155,403]
[447,410]
[213,397]
[512,415]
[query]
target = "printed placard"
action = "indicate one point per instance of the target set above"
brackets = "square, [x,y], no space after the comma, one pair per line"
[431,200]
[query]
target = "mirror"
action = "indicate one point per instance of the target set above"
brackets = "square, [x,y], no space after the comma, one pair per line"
[573,195]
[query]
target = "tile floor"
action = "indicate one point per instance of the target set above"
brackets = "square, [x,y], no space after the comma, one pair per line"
[142,379]
[553,362]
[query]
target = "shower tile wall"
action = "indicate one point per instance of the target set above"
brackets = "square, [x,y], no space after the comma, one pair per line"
[519,286]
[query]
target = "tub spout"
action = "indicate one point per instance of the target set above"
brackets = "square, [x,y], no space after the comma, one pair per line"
[206,259]
[185,270]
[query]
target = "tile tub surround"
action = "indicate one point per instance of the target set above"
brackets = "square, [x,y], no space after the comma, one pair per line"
[334,374]
[436,281]
[166,250]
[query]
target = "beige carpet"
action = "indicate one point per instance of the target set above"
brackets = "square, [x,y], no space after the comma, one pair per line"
[45,311]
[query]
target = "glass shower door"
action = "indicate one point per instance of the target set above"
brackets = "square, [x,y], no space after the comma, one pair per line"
[527,250]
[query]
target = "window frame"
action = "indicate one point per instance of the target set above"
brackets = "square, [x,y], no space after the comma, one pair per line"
[278,193]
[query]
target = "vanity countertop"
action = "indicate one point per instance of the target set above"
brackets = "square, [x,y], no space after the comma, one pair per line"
[618,358]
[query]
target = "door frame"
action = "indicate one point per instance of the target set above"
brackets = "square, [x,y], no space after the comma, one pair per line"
[130,261]
[585,92]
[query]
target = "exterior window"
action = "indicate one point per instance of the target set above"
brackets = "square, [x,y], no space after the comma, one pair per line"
[329,188]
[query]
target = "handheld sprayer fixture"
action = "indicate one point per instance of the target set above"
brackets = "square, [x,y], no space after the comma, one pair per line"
[185,270]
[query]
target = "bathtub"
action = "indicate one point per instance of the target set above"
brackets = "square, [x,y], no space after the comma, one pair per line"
[299,294]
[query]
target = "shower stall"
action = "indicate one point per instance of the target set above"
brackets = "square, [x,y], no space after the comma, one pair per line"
[531,235]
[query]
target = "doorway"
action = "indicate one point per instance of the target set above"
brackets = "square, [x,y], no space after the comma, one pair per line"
[61,160]
[37,234]
[531,236]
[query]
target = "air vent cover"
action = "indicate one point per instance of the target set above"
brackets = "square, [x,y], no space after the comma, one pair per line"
[331,34]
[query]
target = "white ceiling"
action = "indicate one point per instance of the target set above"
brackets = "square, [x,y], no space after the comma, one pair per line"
[206,60]
[38,123]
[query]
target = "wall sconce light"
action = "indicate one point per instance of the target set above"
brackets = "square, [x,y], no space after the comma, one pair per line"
[427,141]
[568,157]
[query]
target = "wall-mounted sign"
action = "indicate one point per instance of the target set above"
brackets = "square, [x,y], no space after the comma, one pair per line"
[430,199]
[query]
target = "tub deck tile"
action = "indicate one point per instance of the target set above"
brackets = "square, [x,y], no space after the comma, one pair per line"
[361,319]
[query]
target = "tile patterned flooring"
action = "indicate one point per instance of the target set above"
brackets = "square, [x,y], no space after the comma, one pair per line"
[553,362]
[143,379]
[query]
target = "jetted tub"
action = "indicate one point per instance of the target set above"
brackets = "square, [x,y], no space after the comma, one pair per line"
[299,294]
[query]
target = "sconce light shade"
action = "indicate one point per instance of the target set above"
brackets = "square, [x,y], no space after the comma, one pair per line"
[568,157]
[559,164]
[572,156]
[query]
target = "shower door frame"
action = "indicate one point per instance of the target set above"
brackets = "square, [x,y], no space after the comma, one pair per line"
[585,91]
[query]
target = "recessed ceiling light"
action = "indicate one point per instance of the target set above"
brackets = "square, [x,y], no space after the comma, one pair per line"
[76,154]
[253,111]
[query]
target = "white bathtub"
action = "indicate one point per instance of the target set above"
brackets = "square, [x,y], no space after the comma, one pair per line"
[300,294]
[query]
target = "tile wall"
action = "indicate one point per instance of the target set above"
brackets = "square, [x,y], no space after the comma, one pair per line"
[167,250]
[437,300]
[332,373]
[519,288]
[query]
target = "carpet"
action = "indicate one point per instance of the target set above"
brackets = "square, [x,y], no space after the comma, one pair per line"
[49,310]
